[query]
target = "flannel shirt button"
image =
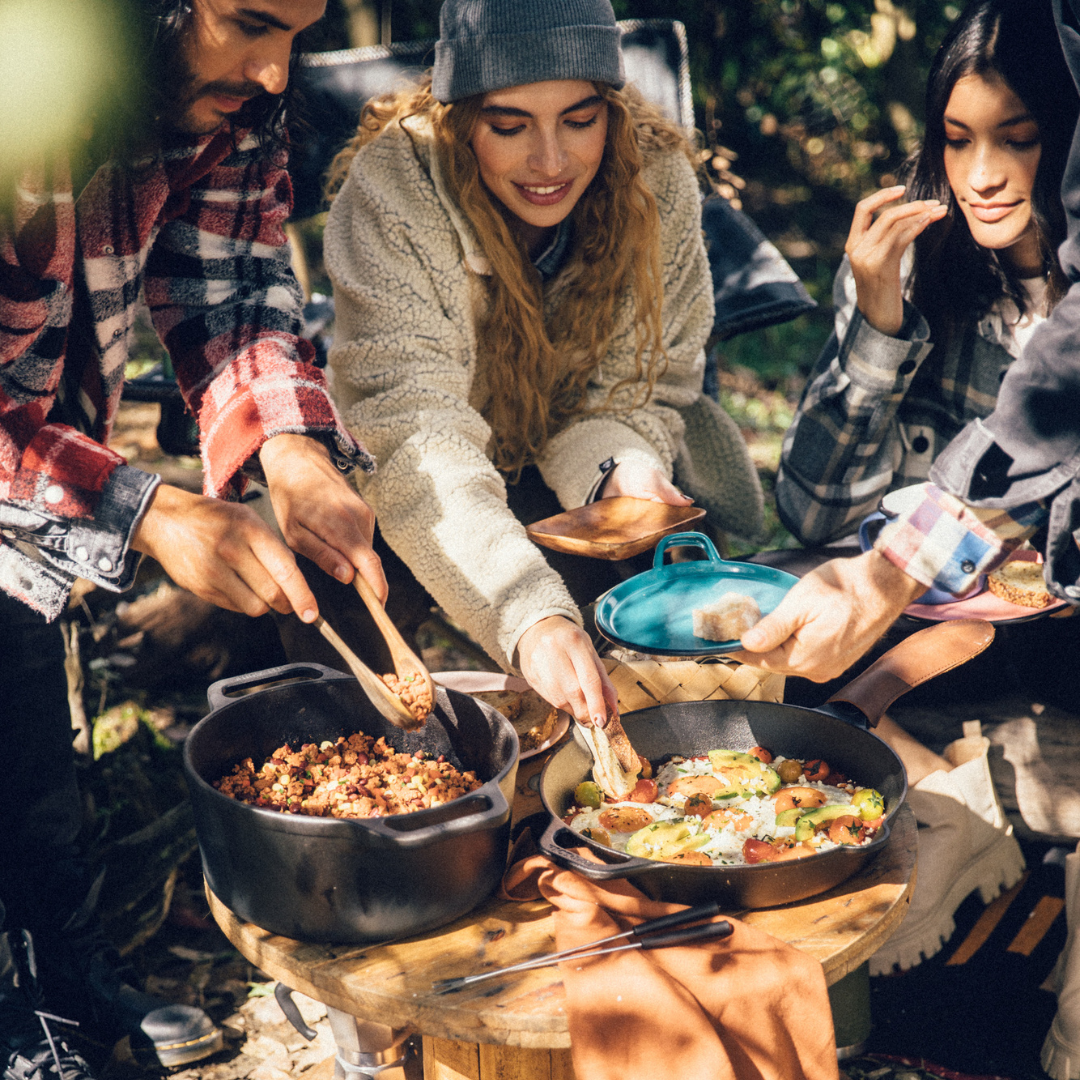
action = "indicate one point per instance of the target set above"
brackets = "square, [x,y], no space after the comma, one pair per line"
[81,554]
[54,493]
[108,249]
[967,566]
[104,564]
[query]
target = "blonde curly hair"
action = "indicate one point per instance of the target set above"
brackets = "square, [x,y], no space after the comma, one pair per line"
[538,370]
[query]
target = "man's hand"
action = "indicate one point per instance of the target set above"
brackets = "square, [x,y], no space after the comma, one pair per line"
[224,553]
[559,662]
[830,618]
[641,481]
[319,513]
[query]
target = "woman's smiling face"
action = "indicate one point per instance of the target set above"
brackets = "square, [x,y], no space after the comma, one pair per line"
[992,153]
[538,147]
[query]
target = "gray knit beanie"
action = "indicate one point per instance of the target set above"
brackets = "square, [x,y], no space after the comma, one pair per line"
[492,44]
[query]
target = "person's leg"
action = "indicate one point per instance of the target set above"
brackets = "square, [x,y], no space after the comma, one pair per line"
[50,928]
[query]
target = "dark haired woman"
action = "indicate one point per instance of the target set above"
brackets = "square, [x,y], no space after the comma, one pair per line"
[938,294]
[935,298]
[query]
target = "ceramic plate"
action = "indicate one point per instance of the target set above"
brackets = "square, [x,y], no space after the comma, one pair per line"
[652,612]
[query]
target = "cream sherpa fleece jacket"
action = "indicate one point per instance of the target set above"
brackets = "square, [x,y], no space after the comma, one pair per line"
[405,268]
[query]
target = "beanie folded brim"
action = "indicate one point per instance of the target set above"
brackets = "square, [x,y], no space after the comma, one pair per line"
[476,65]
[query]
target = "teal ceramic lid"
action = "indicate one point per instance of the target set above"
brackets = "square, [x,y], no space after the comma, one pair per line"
[651,612]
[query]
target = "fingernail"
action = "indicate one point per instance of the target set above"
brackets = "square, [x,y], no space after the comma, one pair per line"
[342,573]
[309,616]
[931,202]
[599,720]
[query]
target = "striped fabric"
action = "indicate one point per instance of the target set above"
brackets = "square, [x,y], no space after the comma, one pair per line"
[199,230]
[877,410]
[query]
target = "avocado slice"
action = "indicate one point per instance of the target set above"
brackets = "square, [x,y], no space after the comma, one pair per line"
[790,817]
[805,826]
[736,767]
[664,839]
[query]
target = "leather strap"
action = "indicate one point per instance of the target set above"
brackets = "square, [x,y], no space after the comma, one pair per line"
[923,656]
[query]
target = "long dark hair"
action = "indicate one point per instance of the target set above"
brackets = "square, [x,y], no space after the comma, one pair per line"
[160,78]
[1017,40]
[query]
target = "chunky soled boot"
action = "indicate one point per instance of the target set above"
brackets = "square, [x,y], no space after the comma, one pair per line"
[33,1043]
[965,844]
[1061,1049]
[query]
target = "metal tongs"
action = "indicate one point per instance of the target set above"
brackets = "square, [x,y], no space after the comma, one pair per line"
[654,934]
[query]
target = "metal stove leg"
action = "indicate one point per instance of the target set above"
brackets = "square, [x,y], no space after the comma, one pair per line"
[366,1050]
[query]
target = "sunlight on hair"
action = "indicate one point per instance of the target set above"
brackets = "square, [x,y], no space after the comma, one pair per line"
[55,57]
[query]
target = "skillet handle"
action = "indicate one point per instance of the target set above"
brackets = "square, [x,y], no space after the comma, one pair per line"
[217,694]
[923,656]
[550,844]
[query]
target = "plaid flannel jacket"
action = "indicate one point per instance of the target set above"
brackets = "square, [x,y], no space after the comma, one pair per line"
[877,410]
[199,231]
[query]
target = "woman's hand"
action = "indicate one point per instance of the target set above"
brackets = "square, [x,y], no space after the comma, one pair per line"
[222,552]
[319,512]
[559,662]
[641,481]
[875,247]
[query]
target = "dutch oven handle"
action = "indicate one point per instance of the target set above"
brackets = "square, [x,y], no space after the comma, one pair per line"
[217,694]
[473,812]
[923,656]
[550,844]
[685,539]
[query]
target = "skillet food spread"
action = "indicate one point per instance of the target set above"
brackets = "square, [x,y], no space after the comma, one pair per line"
[727,808]
[355,777]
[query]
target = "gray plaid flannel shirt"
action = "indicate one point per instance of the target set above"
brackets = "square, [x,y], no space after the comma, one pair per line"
[877,410]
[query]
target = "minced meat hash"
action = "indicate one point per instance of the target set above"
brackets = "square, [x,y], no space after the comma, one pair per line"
[354,777]
[727,808]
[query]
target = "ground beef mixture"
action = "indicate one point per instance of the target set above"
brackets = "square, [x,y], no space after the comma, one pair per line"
[355,777]
[413,691]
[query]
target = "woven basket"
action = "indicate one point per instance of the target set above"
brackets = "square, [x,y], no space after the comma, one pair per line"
[644,683]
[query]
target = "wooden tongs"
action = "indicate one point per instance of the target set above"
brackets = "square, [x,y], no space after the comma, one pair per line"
[407,665]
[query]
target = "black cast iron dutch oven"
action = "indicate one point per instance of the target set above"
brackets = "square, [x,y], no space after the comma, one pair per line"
[837,732]
[345,880]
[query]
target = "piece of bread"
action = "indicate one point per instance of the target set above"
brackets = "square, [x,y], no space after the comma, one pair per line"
[1021,582]
[533,718]
[616,766]
[726,619]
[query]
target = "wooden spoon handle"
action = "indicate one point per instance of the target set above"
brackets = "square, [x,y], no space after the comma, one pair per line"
[382,697]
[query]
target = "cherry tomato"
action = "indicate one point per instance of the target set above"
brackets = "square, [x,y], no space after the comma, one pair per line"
[816,770]
[843,830]
[761,754]
[645,791]
[646,767]
[790,797]
[698,806]
[756,851]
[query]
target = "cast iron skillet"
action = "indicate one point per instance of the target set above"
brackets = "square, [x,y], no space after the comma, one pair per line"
[837,732]
[348,880]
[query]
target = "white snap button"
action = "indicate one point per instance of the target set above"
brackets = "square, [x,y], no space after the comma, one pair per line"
[54,493]
[82,554]
[104,564]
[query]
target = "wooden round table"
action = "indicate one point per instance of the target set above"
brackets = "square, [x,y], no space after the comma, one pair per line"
[514,1028]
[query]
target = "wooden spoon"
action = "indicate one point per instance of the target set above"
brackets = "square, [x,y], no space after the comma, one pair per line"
[382,697]
[406,662]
